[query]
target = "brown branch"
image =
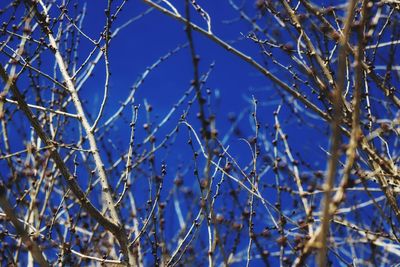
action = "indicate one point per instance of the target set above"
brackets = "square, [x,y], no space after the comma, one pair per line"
[31,245]
[69,178]
[336,135]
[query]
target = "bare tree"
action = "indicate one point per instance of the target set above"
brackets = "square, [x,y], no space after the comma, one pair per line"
[117,183]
